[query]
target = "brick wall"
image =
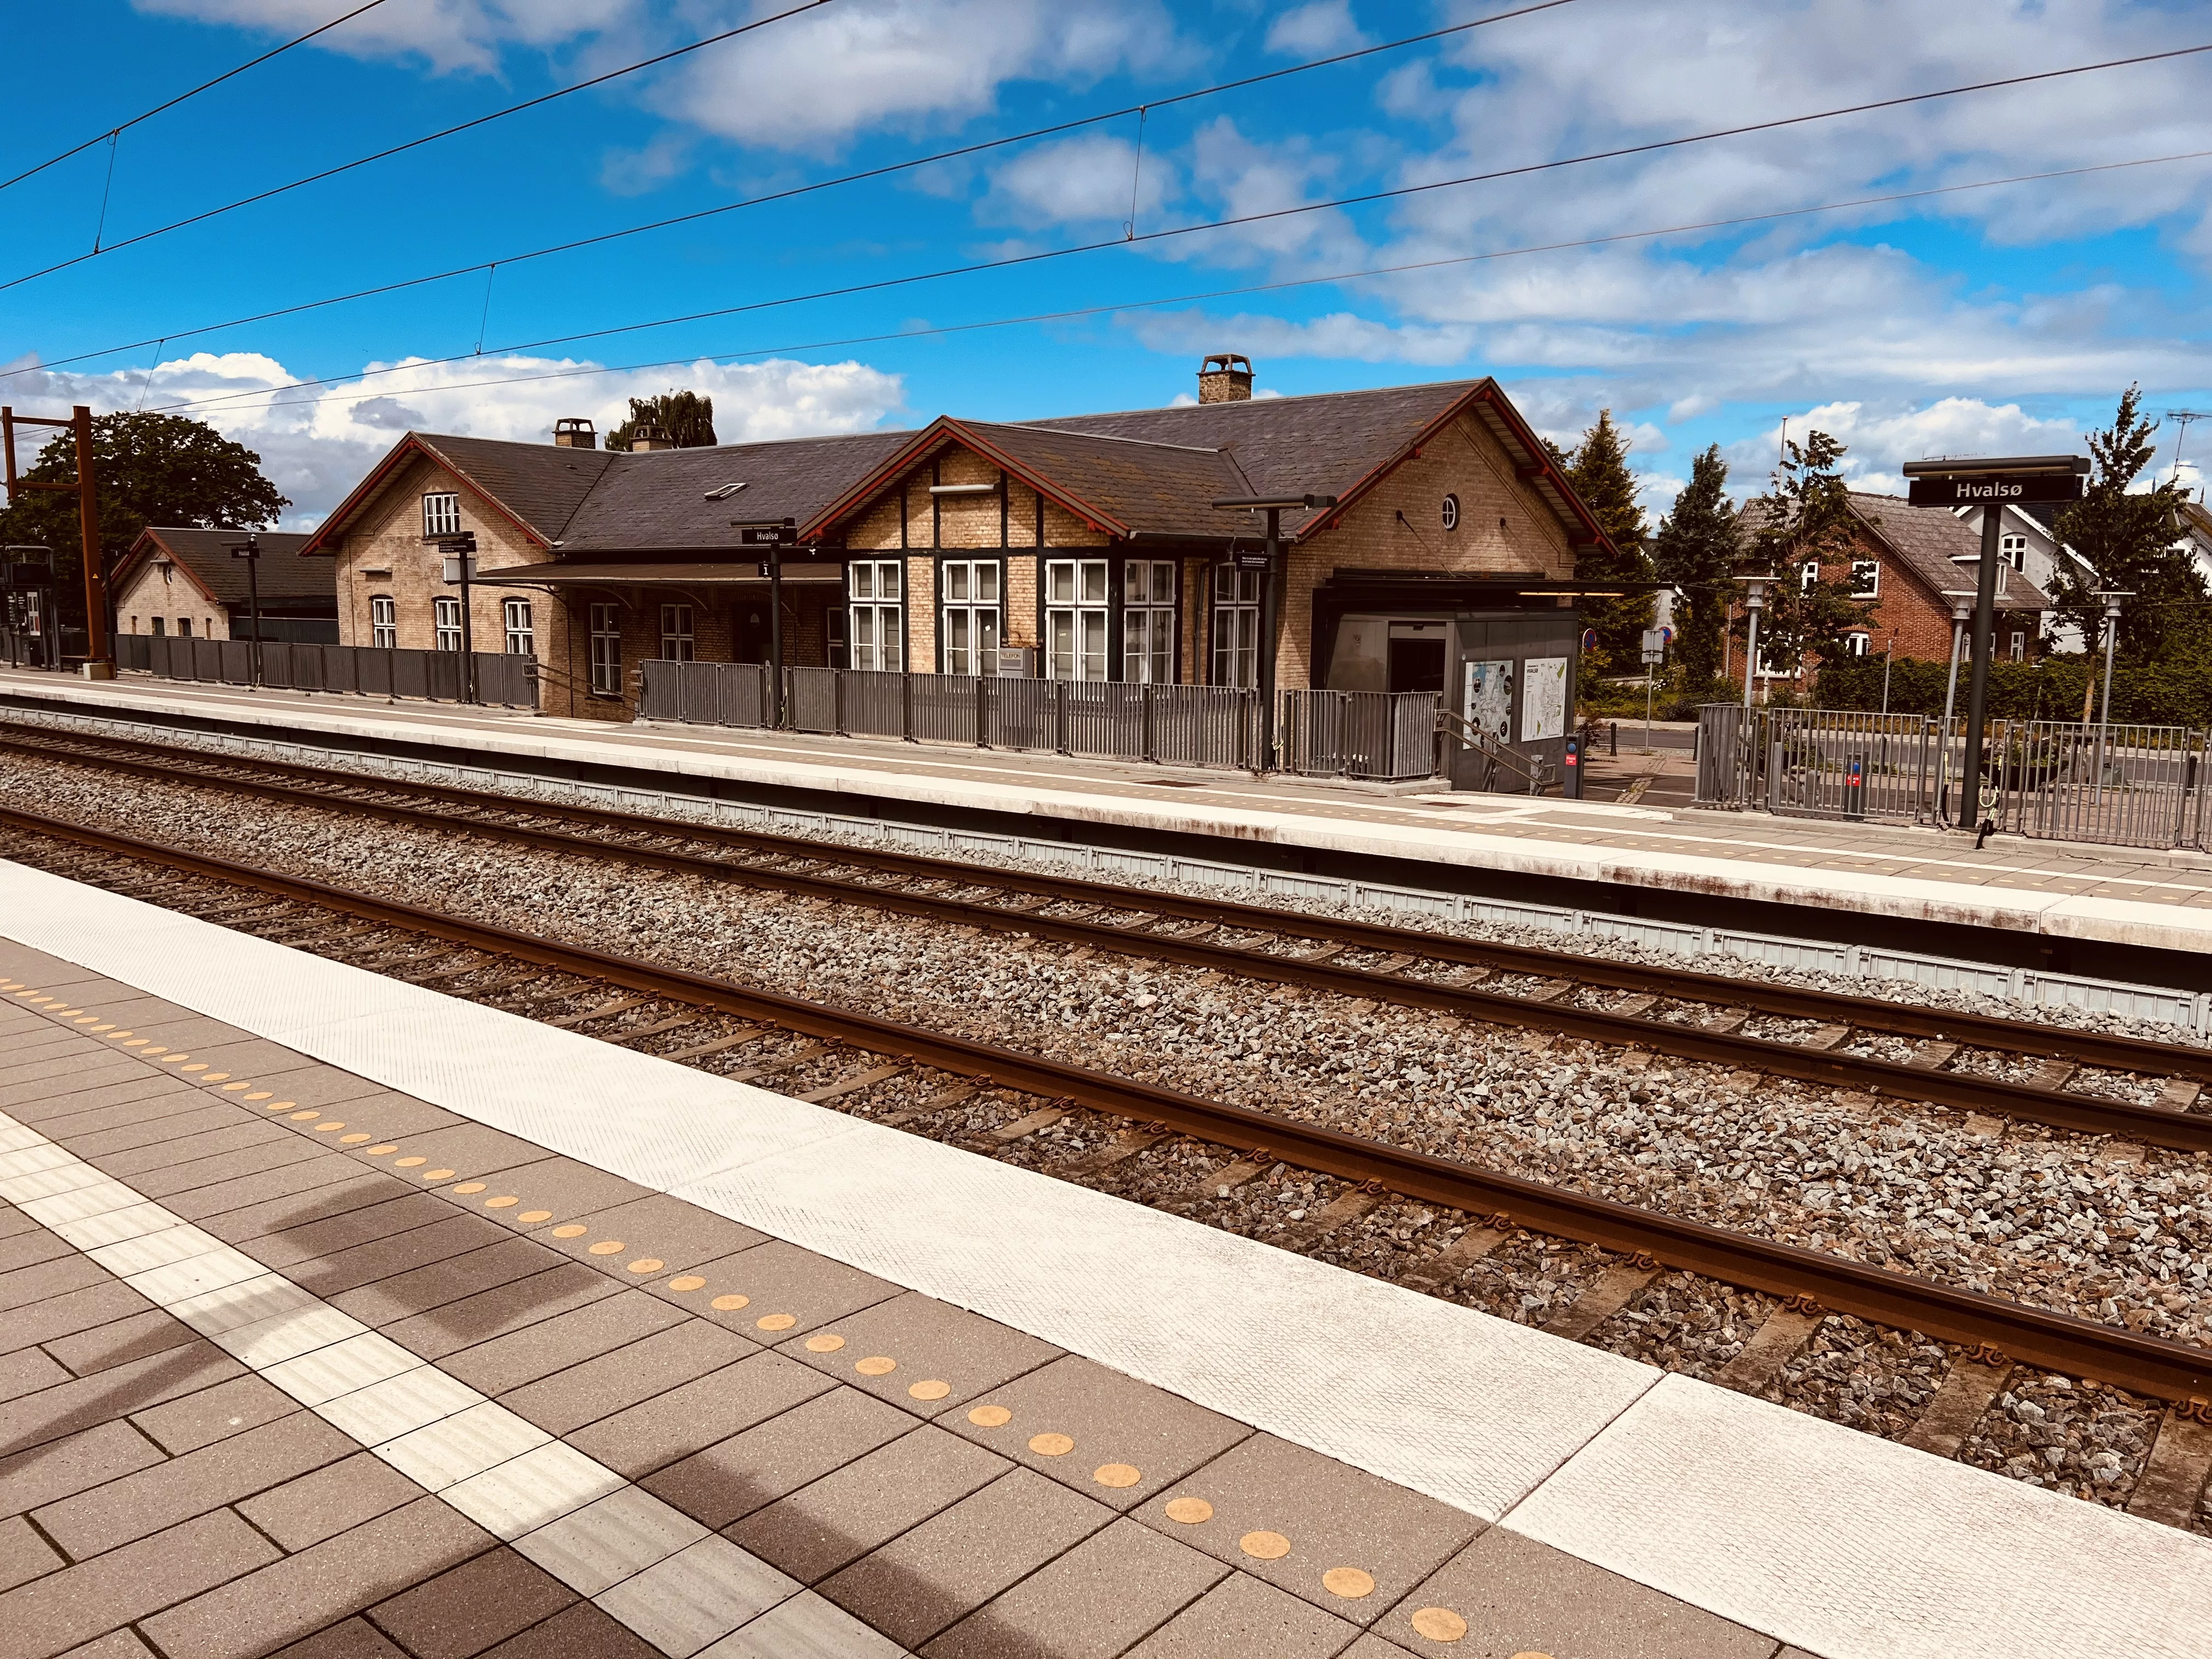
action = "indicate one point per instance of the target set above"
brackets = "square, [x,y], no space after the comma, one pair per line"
[1918,616]
[166,590]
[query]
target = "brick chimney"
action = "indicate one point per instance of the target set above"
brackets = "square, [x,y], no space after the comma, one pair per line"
[573,432]
[649,438]
[1225,378]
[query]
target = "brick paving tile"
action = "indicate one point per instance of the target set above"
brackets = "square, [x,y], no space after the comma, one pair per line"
[79,1404]
[302,1593]
[479,1603]
[212,1414]
[932,1576]
[348,1189]
[349,1269]
[499,1312]
[27,1371]
[350,1638]
[734,1477]
[382,1112]
[37,1283]
[696,1414]
[314,1228]
[598,1387]
[806,1627]
[173,1181]
[116,1644]
[1242,1618]
[121,1588]
[140,1132]
[585,1633]
[931,1342]
[37,1079]
[252,1056]
[1108,1591]
[118,1341]
[1112,1420]
[66,1316]
[454,1280]
[208,1479]
[36,1105]
[508,1362]
[181,1100]
[54,1470]
[866,1504]
[1335,1516]
[471,1150]
[335,1498]
[779,1281]
[14,1221]
[1520,1596]
[29,1247]
[681,1235]
[23,1554]
[567,1189]
[287,1184]
[199,1147]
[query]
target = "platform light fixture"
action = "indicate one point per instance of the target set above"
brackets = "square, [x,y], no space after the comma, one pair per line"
[1754,601]
[1275,506]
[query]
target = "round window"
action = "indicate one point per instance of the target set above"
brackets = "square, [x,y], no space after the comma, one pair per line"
[1451,511]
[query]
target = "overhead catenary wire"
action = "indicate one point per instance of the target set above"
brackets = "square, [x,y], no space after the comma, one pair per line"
[887,169]
[206,86]
[1079,313]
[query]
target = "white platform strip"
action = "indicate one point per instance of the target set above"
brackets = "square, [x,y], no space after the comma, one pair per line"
[1839,1543]
[684,1588]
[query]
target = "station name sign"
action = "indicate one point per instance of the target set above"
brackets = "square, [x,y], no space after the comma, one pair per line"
[1996,489]
[768,535]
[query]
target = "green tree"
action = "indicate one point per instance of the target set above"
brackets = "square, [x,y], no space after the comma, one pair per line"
[685,416]
[1805,519]
[148,470]
[1696,551]
[2129,536]
[1598,469]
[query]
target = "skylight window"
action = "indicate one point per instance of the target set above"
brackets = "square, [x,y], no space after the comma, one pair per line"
[724,493]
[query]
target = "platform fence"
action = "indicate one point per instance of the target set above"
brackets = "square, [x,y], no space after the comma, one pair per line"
[2118,785]
[1381,735]
[504,681]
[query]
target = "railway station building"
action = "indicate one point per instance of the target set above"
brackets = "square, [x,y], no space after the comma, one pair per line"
[183,582]
[1078,548]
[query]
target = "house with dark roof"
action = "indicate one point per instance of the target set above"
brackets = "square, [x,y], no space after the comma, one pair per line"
[185,581]
[1080,548]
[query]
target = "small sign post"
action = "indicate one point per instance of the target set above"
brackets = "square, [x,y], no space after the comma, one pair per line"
[1992,485]
[775,536]
[1655,653]
[460,562]
[250,551]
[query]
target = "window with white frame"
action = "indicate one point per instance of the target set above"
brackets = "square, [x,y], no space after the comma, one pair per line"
[969,589]
[1866,578]
[1809,576]
[384,622]
[1075,618]
[876,615]
[441,513]
[2020,648]
[606,650]
[2013,550]
[676,637]
[521,636]
[447,614]
[1235,626]
[1148,621]
[1858,643]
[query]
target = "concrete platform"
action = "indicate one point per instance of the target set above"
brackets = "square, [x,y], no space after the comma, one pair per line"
[342,1313]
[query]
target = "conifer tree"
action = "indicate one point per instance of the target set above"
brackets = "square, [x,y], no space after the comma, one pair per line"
[1598,469]
[2129,537]
[1696,551]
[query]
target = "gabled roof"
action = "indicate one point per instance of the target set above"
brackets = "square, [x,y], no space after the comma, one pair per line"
[1926,540]
[537,488]
[657,502]
[204,555]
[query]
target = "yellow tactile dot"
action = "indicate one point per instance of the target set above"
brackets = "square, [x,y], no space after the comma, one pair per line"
[234,1088]
[64,1013]
[687,1282]
[280,1105]
[1116,1474]
[303,1117]
[380,1151]
[1439,1624]
[438,1175]
[608,1247]
[332,1128]
[776,1322]
[1349,1583]
[931,1389]
[175,1059]
[135,1042]
[876,1365]
[1532,1653]
[645,1266]
[472,1186]
[1190,1510]
[1264,1545]
[824,1343]
[409,1163]
[97,1030]
[990,1417]
[353,1140]
[212,1077]
[86,1019]
[262,1095]
[505,1201]
[1051,1445]
[729,1303]
[201,1066]
[533,1217]
[570,1229]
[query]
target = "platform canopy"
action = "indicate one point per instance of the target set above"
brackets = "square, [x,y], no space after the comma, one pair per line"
[556,575]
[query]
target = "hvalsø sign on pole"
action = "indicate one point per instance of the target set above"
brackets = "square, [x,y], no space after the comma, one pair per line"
[1962,484]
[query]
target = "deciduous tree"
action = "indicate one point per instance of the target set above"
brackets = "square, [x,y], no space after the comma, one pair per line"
[685,416]
[2129,537]
[1805,519]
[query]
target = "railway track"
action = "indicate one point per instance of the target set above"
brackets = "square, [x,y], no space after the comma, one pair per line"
[1683,1014]
[1810,1284]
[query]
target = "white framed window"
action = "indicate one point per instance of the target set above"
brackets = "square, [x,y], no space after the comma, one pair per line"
[1866,578]
[384,622]
[1858,643]
[2020,648]
[2013,550]
[876,615]
[1075,619]
[1451,513]
[445,614]
[677,642]
[1808,577]
[1235,626]
[521,636]
[1148,621]
[970,590]
[606,650]
[441,513]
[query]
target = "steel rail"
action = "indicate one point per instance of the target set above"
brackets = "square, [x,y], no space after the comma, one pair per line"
[1992,1326]
[1964,1090]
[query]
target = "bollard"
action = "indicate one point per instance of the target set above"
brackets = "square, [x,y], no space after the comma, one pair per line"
[1570,770]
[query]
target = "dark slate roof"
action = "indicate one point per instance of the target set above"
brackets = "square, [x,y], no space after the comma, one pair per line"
[1150,488]
[657,501]
[542,484]
[1926,538]
[284,578]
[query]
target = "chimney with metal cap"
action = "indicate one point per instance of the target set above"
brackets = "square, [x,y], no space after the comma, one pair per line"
[1225,378]
[573,432]
[649,437]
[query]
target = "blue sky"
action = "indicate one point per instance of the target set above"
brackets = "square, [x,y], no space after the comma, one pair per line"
[1981,321]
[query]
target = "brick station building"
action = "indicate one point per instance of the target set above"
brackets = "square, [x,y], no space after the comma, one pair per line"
[183,582]
[1084,547]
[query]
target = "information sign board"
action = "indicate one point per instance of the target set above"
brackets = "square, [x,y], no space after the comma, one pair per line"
[1995,489]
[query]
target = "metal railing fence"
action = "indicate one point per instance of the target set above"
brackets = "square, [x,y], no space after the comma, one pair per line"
[2118,785]
[1380,735]
[369,671]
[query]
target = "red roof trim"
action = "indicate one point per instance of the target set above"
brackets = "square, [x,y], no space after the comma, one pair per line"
[944,429]
[127,572]
[379,476]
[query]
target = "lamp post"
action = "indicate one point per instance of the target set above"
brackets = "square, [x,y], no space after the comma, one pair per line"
[1754,601]
[775,535]
[460,568]
[2112,597]
[1270,600]
[250,551]
[1962,606]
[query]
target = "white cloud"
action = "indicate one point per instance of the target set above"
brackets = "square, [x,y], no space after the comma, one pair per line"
[1881,437]
[449,34]
[1079,180]
[1311,31]
[1340,334]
